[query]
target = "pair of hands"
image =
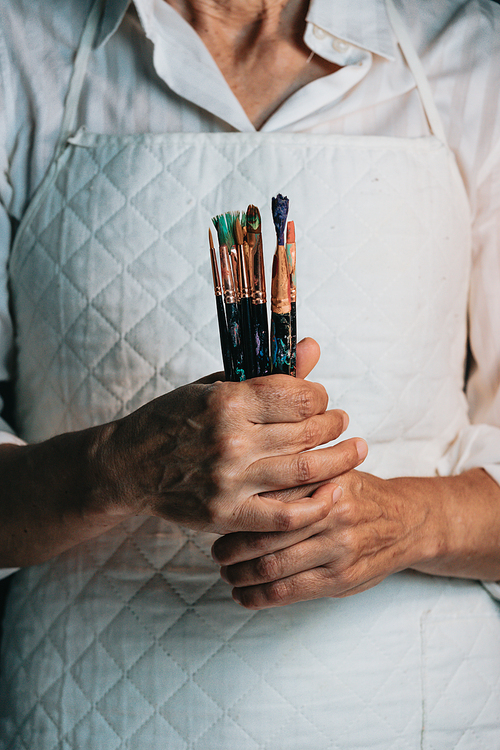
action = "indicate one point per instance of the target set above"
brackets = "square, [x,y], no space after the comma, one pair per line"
[220,457]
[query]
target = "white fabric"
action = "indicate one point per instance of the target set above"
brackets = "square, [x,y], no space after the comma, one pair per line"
[374,94]
[133,640]
[377,98]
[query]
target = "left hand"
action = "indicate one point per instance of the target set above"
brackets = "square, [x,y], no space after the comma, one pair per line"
[371,531]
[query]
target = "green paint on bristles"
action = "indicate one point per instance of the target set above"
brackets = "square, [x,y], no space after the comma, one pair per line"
[223,233]
[231,217]
[253,218]
[243,219]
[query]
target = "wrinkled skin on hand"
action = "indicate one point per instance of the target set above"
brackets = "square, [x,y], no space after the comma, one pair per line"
[205,454]
[370,531]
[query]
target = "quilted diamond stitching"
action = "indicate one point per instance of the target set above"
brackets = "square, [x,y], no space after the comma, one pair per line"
[134,540]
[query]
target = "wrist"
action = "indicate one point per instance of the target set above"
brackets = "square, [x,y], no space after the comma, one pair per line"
[462,532]
[54,495]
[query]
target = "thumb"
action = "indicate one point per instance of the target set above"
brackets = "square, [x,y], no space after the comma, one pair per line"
[308,354]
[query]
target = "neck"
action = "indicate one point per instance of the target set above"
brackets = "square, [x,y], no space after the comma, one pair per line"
[259,48]
[245,24]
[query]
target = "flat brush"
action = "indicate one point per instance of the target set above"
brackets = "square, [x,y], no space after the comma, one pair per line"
[221,315]
[245,303]
[260,327]
[231,217]
[281,344]
[291,259]
[230,300]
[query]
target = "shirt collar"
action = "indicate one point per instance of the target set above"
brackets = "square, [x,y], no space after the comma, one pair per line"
[334,18]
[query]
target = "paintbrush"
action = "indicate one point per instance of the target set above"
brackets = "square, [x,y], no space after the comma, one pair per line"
[245,303]
[291,259]
[221,315]
[230,299]
[231,217]
[260,327]
[280,293]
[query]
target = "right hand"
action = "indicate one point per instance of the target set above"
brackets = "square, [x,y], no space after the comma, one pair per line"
[202,455]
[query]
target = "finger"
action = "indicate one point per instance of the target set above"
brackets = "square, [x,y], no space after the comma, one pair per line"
[293,493]
[305,555]
[214,377]
[303,586]
[308,354]
[312,584]
[279,472]
[271,399]
[241,546]
[268,515]
[302,436]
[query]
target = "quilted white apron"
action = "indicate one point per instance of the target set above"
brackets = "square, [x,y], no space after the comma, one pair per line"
[132,640]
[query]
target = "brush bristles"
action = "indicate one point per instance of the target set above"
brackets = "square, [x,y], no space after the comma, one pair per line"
[238,232]
[253,219]
[280,213]
[223,233]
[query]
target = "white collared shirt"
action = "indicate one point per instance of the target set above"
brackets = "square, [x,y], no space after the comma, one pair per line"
[155,75]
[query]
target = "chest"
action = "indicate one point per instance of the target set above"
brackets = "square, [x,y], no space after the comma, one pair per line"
[112,284]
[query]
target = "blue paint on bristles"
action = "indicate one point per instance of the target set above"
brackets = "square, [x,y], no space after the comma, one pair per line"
[280,213]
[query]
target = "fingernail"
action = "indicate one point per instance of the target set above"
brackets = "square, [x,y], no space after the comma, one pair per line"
[345,421]
[337,493]
[236,595]
[362,449]
[223,574]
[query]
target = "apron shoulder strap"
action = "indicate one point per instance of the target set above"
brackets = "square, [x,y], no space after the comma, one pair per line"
[78,74]
[416,67]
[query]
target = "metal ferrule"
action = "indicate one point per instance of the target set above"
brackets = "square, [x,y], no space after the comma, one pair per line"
[227,278]
[257,276]
[243,279]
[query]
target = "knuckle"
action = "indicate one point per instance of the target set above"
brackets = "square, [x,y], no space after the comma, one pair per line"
[268,567]
[233,446]
[349,540]
[347,579]
[232,405]
[277,592]
[283,519]
[303,470]
[312,433]
[346,512]
[305,402]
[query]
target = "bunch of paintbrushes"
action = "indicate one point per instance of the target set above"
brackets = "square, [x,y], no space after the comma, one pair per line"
[240,293]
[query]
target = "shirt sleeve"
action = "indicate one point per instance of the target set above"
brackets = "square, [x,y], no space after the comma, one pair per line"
[478,444]
[6,333]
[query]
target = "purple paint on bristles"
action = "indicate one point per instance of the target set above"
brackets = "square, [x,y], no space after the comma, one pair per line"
[280,213]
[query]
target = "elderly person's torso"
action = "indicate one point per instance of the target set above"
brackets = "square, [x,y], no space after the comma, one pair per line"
[137,640]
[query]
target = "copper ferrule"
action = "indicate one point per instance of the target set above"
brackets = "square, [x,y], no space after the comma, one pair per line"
[280,286]
[257,277]
[243,277]
[233,256]
[230,295]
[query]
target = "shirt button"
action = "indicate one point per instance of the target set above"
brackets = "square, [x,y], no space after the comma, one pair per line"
[319,33]
[340,45]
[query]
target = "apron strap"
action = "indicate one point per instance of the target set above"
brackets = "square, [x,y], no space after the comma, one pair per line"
[79,69]
[417,69]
